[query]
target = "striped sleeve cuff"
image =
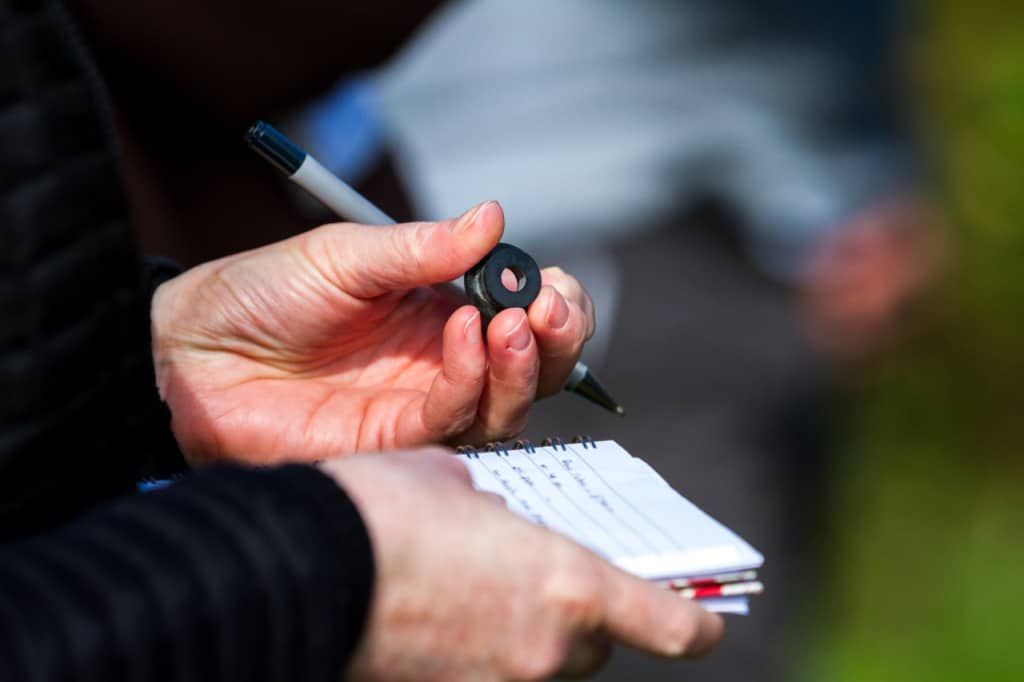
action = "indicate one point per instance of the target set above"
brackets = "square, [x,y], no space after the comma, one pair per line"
[230,574]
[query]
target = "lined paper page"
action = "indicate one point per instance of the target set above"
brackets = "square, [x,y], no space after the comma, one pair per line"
[615,504]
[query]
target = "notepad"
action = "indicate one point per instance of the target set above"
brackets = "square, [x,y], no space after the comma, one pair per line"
[599,495]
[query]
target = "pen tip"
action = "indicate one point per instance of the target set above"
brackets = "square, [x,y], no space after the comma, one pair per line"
[591,389]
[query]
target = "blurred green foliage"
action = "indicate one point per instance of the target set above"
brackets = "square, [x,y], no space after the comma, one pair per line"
[926,580]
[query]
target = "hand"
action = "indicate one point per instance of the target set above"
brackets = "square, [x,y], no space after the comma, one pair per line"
[331,342]
[863,281]
[466,590]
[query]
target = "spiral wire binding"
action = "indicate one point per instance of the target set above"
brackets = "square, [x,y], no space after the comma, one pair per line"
[526,445]
[468,451]
[497,447]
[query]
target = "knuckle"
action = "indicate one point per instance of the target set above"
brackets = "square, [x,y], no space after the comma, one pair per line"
[509,420]
[574,591]
[462,371]
[420,243]
[553,273]
[566,284]
[460,421]
[540,661]
[511,427]
[571,287]
[319,249]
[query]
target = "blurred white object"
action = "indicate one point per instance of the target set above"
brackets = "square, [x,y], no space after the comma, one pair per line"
[587,118]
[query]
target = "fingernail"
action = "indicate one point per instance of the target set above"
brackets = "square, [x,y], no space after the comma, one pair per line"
[558,310]
[469,217]
[519,338]
[471,330]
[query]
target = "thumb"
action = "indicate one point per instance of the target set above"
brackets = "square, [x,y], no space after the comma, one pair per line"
[656,620]
[371,261]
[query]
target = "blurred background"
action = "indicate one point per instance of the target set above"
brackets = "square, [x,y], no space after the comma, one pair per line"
[798,222]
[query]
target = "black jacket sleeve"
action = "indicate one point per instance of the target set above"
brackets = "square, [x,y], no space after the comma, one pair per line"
[228,574]
[80,419]
[158,451]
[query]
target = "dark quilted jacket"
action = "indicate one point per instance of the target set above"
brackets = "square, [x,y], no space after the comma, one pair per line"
[228,574]
[75,375]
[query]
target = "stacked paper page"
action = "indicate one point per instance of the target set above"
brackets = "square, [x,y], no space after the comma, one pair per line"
[604,498]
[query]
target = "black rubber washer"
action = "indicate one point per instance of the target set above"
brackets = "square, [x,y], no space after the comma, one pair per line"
[484,287]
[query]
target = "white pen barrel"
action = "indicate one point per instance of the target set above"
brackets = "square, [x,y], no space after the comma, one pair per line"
[336,195]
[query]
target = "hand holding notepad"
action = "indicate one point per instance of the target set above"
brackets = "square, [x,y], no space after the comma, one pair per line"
[465,589]
[616,505]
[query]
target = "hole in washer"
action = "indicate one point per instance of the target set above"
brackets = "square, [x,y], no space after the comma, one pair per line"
[513,279]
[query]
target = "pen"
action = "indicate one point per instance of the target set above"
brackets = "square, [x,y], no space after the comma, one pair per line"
[306,172]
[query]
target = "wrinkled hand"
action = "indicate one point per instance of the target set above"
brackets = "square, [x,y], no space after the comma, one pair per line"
[334,342]
[472,592]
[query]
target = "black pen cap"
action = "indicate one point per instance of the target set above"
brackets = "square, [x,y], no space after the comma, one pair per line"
[275,147]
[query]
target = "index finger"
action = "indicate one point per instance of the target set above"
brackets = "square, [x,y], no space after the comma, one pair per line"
[656,620]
